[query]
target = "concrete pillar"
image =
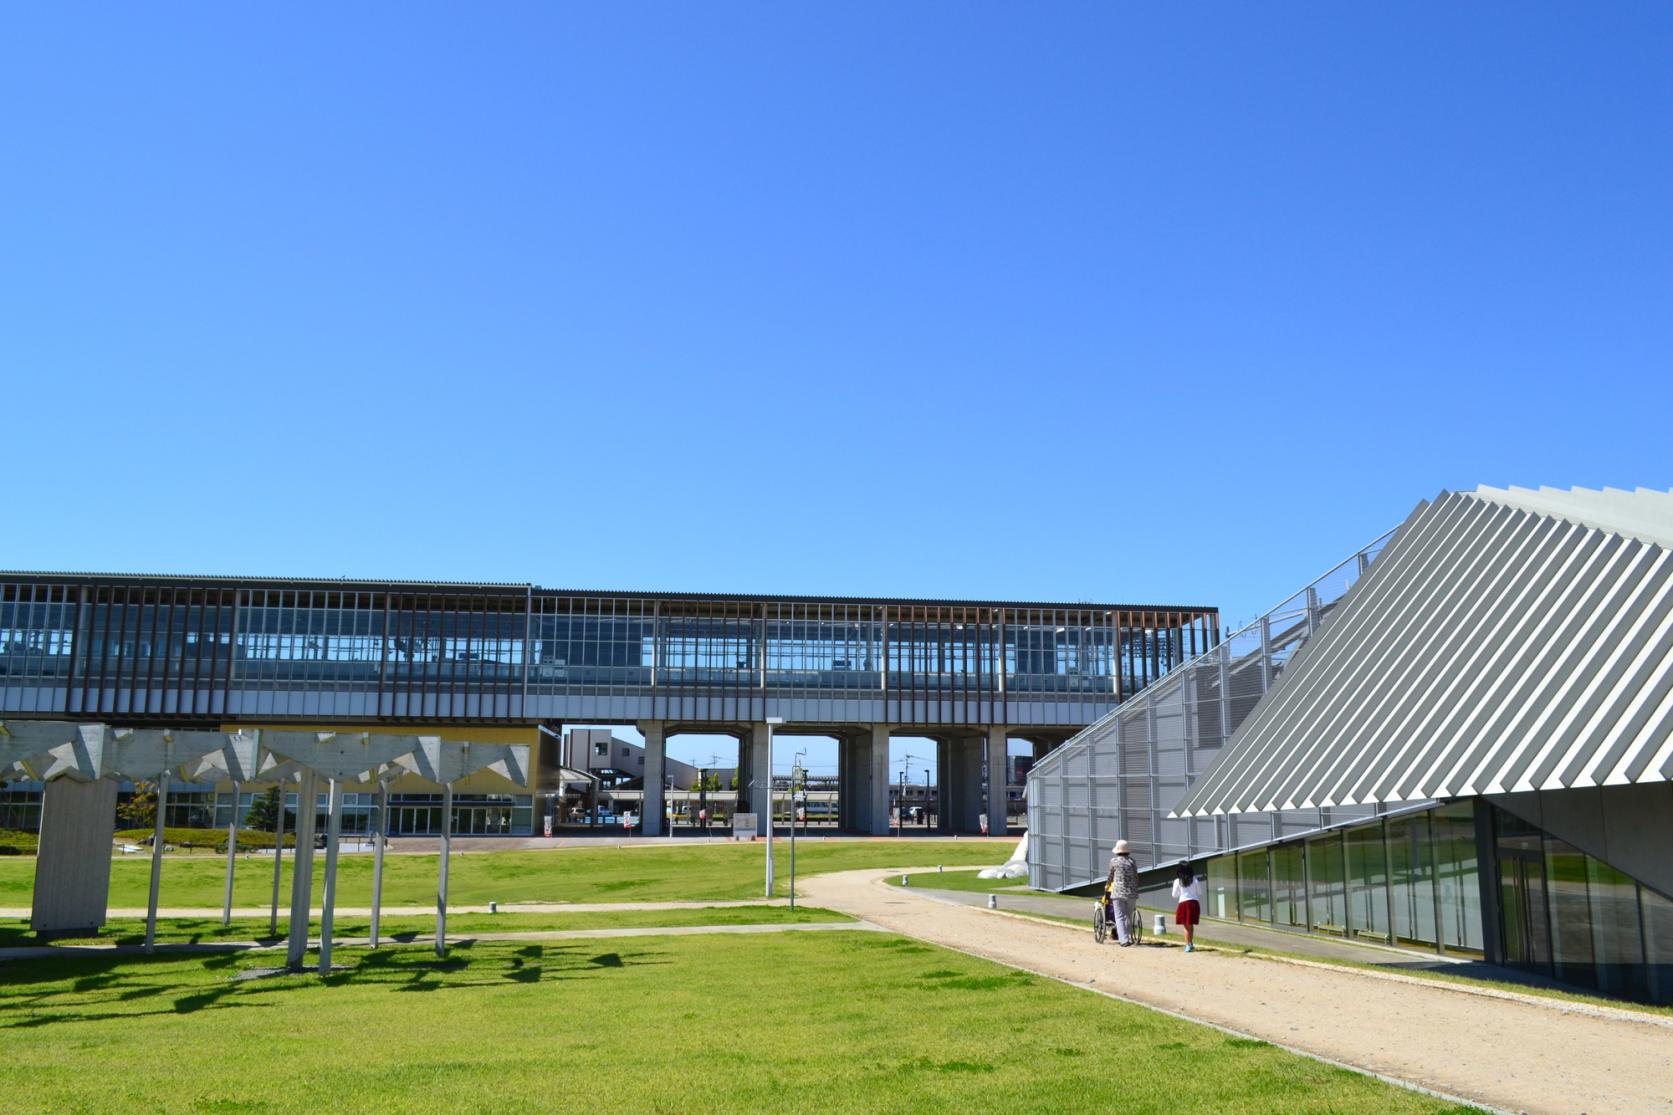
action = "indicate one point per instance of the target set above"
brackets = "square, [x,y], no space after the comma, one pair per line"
[843,801]
[656,765]
[965,800]
[877,781]
[302,870]
[72,869]
[753,774]
[941,770]
[998,775]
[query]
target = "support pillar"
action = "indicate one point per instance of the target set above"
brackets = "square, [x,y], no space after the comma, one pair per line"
[302,870]
[651,818]
[377,858]
[72,869]
[998,776]
[753,775]
[943,785]
[877,781]
[278,861]
[232,856]
[965,789]
[156,862]
[328,907]
[441,875]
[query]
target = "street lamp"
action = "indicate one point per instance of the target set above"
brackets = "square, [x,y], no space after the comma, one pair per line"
[926,799]
[772,722]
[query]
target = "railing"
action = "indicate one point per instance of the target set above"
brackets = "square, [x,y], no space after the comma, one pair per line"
[1119,777]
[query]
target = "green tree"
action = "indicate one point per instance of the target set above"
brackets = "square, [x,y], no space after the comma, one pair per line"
[264,812]
[140,810]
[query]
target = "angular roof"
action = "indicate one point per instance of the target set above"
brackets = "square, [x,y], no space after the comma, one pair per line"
[1507,639]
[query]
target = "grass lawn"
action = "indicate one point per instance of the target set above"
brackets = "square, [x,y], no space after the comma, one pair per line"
[632,874]
[843,1022]
[131,931]
[966,880]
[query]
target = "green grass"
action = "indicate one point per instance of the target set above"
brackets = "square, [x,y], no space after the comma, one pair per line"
[203,840]
[639,873]
[837,1022]
[964,880]
[131,931]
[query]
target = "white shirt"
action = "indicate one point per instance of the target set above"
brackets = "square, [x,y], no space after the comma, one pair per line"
[1188,892]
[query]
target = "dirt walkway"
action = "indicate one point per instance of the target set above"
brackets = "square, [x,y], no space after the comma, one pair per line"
[1501,1052]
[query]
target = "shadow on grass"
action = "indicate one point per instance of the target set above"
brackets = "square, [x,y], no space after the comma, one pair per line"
[92,988]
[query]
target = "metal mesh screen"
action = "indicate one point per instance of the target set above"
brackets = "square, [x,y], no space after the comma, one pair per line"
[1119,777]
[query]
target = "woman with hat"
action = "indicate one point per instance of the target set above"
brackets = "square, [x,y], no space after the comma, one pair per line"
[1123,889]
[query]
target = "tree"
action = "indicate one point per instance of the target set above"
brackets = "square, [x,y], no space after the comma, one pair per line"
[264,812]
[140,810]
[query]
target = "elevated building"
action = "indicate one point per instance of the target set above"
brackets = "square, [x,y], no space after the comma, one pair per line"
[525,661]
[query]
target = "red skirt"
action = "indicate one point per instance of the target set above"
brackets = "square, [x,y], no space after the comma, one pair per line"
[1188,913]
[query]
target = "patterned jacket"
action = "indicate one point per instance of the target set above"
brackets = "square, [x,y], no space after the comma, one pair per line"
[1124,877]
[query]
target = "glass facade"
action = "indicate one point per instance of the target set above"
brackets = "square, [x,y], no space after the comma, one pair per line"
[1377,881]
[176,648]
[1415,880]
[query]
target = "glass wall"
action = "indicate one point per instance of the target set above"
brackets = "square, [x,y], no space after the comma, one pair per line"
[1289,886]
[1326,892]
[1377,881]
[1457,878]
[1254,885]
[1411,875]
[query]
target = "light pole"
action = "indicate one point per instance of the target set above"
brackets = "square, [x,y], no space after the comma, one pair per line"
[926,799]
[772,722]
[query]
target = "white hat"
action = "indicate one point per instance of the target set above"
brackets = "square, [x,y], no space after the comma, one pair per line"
[1120,847]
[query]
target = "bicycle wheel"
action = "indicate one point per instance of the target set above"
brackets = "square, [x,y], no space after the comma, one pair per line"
[1100,927]
[1135,928]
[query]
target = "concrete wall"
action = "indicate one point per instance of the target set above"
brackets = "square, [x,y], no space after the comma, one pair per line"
[1628,827]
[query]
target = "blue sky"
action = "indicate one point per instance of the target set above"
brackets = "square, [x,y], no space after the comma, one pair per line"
[1066,302]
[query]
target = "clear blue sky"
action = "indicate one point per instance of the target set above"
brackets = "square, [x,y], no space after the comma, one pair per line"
[1078,301]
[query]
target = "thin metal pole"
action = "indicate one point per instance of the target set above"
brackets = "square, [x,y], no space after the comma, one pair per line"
[769,810]
[333,833]
[377,858]
[792,847]
[441,882]
[156,863]
[278,861]
[232,856]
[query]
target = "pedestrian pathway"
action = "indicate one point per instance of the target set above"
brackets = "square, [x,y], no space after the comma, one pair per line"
[1506,1051]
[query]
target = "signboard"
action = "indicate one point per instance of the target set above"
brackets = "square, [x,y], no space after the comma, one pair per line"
[548,826]
[743,826]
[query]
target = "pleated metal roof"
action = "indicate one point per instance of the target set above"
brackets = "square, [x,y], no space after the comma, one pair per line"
[1507,639]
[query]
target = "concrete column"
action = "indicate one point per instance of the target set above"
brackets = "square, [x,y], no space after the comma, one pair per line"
[302,870]
[753,774]
[998,765]
[842,784]
[72,869]
[965,800]
[656,765]
[877,782]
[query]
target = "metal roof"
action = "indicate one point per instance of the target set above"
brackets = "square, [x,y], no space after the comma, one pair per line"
[520,588]
[1507,640]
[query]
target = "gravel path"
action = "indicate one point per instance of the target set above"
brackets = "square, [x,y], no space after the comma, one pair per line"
[1513,1053]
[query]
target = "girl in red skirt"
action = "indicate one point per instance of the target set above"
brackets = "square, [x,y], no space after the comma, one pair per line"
[1188,892]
